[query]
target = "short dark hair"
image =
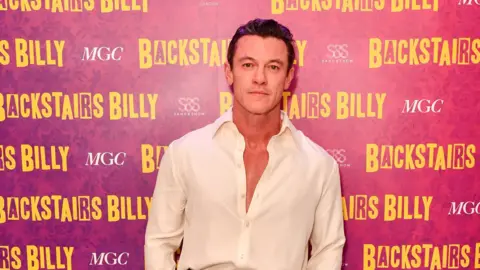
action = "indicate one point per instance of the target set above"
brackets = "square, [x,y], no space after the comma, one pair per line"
[263,28]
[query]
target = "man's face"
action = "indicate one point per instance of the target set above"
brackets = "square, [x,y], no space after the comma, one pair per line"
[259,75]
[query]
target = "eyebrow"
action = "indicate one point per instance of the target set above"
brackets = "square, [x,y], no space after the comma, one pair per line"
[278,61]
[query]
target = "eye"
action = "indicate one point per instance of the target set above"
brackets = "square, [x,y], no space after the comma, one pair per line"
[274,67]
[247,65]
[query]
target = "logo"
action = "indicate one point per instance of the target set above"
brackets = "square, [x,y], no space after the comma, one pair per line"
[102,54]
[464,208]
[106,159]
[109,258]
[339,156]
[188,106]
[468,2]
[337,54]
[423,106]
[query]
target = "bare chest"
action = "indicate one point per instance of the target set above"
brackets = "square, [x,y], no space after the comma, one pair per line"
[255,165]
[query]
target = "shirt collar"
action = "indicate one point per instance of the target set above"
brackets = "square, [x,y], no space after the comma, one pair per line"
[227,117]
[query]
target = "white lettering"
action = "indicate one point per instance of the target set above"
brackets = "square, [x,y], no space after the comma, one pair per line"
[98,52]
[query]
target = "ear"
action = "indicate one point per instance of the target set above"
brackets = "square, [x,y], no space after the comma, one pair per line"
[228,73]
[289,78]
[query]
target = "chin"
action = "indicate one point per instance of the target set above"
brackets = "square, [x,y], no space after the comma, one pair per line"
[255,105]
[258,108]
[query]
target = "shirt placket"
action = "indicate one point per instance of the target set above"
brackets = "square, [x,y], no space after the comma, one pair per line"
[240,177]
[260,188]
[245,233]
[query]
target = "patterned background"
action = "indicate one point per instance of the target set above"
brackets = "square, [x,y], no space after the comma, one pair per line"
[335,59]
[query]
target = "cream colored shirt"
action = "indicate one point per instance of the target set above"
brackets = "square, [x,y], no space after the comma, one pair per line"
[199,197]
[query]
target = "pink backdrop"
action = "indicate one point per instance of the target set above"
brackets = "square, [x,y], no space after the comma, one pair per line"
[90,97]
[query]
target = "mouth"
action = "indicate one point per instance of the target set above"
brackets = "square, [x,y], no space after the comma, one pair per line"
[261,93]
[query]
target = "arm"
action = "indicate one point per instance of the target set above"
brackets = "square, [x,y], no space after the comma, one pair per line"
[164,230]
[328,237]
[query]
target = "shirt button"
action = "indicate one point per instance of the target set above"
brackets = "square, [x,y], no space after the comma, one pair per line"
[243,196]
[247,224]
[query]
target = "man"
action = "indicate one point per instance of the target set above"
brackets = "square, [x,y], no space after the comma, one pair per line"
[248,191]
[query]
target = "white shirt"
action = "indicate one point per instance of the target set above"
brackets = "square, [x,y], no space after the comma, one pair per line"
[199,197]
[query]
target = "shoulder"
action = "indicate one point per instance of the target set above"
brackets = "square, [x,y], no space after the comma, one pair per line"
[195,139]
[316,154]
[323,169]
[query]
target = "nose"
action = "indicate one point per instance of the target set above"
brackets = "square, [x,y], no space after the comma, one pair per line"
[259,77]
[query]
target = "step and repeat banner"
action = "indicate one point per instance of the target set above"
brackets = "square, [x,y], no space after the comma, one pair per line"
[92,92]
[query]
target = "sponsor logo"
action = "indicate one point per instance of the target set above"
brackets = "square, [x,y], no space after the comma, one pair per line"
[340,156]
[464,208]
[102,54]
[337,54]
[109,258]
[106,159]
[468,2]
[423,106]
[188,106]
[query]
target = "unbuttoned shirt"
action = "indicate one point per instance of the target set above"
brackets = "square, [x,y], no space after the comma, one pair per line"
[200,197]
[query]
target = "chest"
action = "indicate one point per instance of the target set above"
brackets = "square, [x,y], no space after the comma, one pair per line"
[255,165]
[229,180]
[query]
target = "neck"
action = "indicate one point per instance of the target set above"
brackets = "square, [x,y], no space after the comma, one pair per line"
[257,129]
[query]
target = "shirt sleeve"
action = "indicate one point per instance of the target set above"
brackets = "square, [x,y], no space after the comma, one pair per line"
[328,237]
[164,231]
